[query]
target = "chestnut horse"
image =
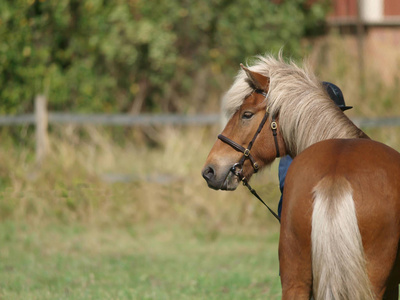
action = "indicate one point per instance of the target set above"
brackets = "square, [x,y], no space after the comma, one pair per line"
[340,224]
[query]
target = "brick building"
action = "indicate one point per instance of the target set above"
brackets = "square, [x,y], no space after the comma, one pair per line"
[371,13]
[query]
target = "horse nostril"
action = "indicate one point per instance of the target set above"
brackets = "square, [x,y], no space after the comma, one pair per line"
[208,173]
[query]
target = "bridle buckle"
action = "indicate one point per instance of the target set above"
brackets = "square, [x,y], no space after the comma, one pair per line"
[246,152]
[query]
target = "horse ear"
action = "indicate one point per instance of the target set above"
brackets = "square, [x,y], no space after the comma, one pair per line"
[260,81]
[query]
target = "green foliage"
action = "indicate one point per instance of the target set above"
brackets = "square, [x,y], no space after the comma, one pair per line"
[136,55]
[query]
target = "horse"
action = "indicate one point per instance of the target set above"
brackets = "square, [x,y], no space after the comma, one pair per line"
[340,223]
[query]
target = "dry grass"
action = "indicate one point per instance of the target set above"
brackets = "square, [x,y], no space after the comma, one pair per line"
[159,183]
[90,178]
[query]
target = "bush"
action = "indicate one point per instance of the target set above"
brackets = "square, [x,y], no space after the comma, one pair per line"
[133,56]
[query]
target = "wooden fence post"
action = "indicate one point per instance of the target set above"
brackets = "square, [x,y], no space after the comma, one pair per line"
[41,123]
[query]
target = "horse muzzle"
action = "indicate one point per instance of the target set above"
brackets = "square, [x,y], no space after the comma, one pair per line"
[224,180]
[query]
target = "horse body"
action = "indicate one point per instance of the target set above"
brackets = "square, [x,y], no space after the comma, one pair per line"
[340,228]
[358,185]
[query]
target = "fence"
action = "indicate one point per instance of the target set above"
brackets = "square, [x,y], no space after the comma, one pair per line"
[41,118]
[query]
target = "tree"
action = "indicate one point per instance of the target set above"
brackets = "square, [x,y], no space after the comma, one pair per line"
[137,55]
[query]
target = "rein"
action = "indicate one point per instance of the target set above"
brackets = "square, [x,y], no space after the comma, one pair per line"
[247,154]
[253,191]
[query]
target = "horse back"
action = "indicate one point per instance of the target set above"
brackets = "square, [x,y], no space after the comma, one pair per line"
[372,169]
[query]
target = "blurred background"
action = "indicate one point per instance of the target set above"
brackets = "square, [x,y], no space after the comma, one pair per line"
[108,111]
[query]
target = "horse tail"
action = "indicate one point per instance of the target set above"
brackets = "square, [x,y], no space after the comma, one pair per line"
[338,262]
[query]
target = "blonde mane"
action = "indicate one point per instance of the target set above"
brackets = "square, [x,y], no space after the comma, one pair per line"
[306,113]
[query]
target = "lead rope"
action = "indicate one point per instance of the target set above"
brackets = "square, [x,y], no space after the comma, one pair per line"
[245,183]
[253,191]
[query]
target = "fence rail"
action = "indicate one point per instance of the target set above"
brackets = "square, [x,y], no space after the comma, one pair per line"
[114,119]
[376,122]
[17,120]
[156,119]
[134,120]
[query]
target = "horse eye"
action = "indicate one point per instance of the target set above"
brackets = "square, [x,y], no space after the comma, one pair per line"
[247,115]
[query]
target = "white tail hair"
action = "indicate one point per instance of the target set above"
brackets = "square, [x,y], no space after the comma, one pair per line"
[338,262]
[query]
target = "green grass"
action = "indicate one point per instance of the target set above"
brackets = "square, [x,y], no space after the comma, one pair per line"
[151,262]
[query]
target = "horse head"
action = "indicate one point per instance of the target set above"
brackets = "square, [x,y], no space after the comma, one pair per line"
[249,141]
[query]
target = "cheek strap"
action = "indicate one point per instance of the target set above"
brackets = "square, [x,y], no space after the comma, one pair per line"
[274,127]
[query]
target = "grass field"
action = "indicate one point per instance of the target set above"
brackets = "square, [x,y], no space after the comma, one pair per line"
[69,232]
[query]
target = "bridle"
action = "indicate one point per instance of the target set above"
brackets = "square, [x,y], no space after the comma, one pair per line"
[246,151]
[247,154]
